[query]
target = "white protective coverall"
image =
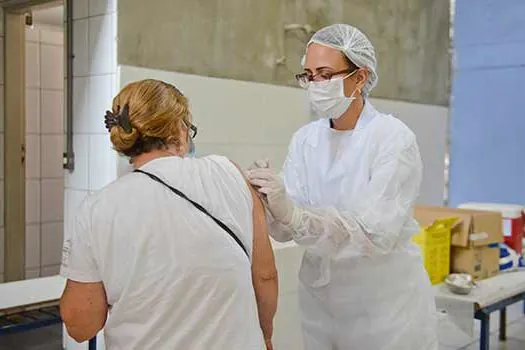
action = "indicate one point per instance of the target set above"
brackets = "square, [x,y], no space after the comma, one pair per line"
[362,281]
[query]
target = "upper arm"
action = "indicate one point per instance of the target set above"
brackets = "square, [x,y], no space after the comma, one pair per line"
[387,199]
[263,260]
[78,260]
[84,303]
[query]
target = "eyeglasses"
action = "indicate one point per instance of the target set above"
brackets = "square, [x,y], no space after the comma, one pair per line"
[304,79]
[192,129]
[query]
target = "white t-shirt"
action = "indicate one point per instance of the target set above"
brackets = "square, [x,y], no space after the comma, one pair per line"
[173,277]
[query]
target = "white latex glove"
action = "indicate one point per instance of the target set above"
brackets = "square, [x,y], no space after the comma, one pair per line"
[270,184]
[261,163]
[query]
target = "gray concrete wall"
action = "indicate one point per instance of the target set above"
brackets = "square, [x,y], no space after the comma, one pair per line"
[244,39]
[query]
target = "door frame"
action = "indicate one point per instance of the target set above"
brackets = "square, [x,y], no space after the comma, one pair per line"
[14,13]
[14,145]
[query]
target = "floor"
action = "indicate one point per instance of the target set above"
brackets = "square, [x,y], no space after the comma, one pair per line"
[515,339]
[50,338]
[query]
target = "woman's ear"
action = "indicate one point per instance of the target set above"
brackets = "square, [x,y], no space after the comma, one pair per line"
[362,77]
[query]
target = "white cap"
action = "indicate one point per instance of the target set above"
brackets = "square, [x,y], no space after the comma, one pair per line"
[354,44]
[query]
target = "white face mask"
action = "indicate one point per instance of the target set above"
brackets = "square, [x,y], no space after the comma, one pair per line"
[327,98]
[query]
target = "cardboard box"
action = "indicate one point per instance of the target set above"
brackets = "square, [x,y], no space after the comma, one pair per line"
[473,238]
[475,229]
[480,262]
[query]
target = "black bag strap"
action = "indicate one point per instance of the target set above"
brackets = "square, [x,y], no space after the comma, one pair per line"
[198,206]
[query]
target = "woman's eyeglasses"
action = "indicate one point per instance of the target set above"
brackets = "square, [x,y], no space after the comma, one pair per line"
[304,79]
[192,129]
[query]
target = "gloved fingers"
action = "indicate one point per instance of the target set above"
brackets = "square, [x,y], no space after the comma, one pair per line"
[261,173]
[260,182]
[262,163]
[265,190]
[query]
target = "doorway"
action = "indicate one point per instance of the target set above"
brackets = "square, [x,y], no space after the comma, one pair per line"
[32,139]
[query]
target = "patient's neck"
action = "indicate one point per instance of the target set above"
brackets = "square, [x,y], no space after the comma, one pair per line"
[141,159]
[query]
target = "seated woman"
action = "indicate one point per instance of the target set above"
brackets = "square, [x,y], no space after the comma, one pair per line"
[176,252]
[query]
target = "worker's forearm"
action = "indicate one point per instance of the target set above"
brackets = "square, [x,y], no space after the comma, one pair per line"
[266,293]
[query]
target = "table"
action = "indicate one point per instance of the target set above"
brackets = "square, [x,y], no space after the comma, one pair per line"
[31,304]
[490,295]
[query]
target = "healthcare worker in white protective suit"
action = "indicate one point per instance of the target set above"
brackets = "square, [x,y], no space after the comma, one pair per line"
[346,194]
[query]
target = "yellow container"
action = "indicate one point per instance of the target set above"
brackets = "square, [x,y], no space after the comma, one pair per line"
[434,241]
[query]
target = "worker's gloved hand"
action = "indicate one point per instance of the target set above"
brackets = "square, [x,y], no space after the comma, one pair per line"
[261,163]
[271,185]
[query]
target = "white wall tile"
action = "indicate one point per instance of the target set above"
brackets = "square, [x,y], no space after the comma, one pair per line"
[102,162]
[2,251]
[100,100]
[32,156]
[81,110]
[78,179]
[1,206]
[32,201]
[52,241]
[100,7]
[52,199]
[52,67]
[32,65]
[2,57]
[32,246]
[52,36]
[102,45]
[32,111]
[32,273]
[80,9]
[245,154]
[52,117]
[73,200]
[1,103]
[48,271]
[33,34]
[80,48]
[52,151]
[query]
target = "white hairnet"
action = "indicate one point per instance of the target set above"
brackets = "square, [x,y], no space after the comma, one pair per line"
[354,44]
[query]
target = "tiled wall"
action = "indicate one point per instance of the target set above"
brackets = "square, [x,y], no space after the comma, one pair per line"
[44,147]
[94,85]
[1,146]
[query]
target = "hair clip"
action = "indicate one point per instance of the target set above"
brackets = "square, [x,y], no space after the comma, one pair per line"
[121,118]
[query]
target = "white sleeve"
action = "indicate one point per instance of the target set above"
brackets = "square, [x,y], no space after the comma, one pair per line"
[295,183]
[78,263]
[374,223]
